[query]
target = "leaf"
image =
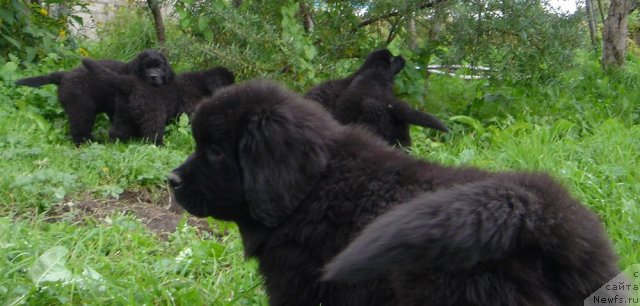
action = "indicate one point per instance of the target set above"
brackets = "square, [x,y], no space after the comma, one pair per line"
[208,34]
[14,42]
[30,54]
[42,123]
[290,10]
[475,124]
[7,70]
[202,24]
[50,267]
[183,121]
[7,16]
[89,277]
[309,52]
[466,156]
[562,127]
[59,193]
[185,23]
[78,20]
[185,254]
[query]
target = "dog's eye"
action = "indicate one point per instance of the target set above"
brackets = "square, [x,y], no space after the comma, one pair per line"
[214,153]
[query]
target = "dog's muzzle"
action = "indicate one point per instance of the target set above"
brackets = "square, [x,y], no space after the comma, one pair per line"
[174,180]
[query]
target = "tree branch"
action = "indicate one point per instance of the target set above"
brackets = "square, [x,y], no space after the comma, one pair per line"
[634,5]
[393,31]
[425,5]
[601,11]
[157,18]
[307,18]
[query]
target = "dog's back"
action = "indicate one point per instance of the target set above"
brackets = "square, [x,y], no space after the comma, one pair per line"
[513,239]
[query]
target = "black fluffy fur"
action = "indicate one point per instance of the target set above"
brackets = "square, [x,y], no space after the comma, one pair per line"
[366,97]
[301,187]
[142,111]
[83,97]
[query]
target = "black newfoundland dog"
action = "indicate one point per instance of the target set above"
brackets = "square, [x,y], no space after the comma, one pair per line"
[143,110]
[366,97]
[83,97]
[336,217]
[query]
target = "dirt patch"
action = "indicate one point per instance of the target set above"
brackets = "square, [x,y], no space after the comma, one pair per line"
[158,211]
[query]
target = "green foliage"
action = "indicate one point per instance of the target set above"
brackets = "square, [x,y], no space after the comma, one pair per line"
[266,39]
[336,33]
[596,163]
[297,46]
[56,264]
[518,39]
[30,32]
[41,102]
[241,39]
[130,32]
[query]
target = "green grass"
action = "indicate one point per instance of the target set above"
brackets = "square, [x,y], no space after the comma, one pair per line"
[128,266]
[583,129]
[598,167]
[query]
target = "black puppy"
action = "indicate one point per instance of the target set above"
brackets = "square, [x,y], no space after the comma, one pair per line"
[142,111]
[83,97]
[301,187]
[366,97]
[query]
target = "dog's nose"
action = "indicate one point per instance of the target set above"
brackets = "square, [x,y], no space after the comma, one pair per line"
[175,181]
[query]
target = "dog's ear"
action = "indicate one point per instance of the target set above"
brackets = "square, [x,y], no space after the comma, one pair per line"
[281,155]
[135,66]
[397,63]
[169,75]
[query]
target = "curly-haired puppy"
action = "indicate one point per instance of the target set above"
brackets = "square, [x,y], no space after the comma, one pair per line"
[83,97]
[301,187]
[142,110]
[366,97]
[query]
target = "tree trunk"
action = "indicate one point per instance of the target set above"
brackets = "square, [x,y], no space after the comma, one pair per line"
[413,36]
[157,19]
[307,18]
[601,11]
[437,24]
[591,18]
[614,35]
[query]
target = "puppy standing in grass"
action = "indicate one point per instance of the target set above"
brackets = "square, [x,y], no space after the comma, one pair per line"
[142,111]
[83,97]
[336,217]
[366,97]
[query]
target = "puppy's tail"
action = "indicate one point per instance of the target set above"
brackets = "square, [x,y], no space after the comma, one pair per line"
[405,113]
[51,78]
[451,229]
[121,82]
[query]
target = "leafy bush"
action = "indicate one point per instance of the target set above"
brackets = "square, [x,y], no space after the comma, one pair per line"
[520,40]
[30,32]
[123,37]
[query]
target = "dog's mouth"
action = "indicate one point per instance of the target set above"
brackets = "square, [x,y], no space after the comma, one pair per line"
[175,181]
[177,185]
[154,76]
[155,81]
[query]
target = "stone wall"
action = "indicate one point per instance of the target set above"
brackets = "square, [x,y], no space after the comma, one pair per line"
[100,11]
